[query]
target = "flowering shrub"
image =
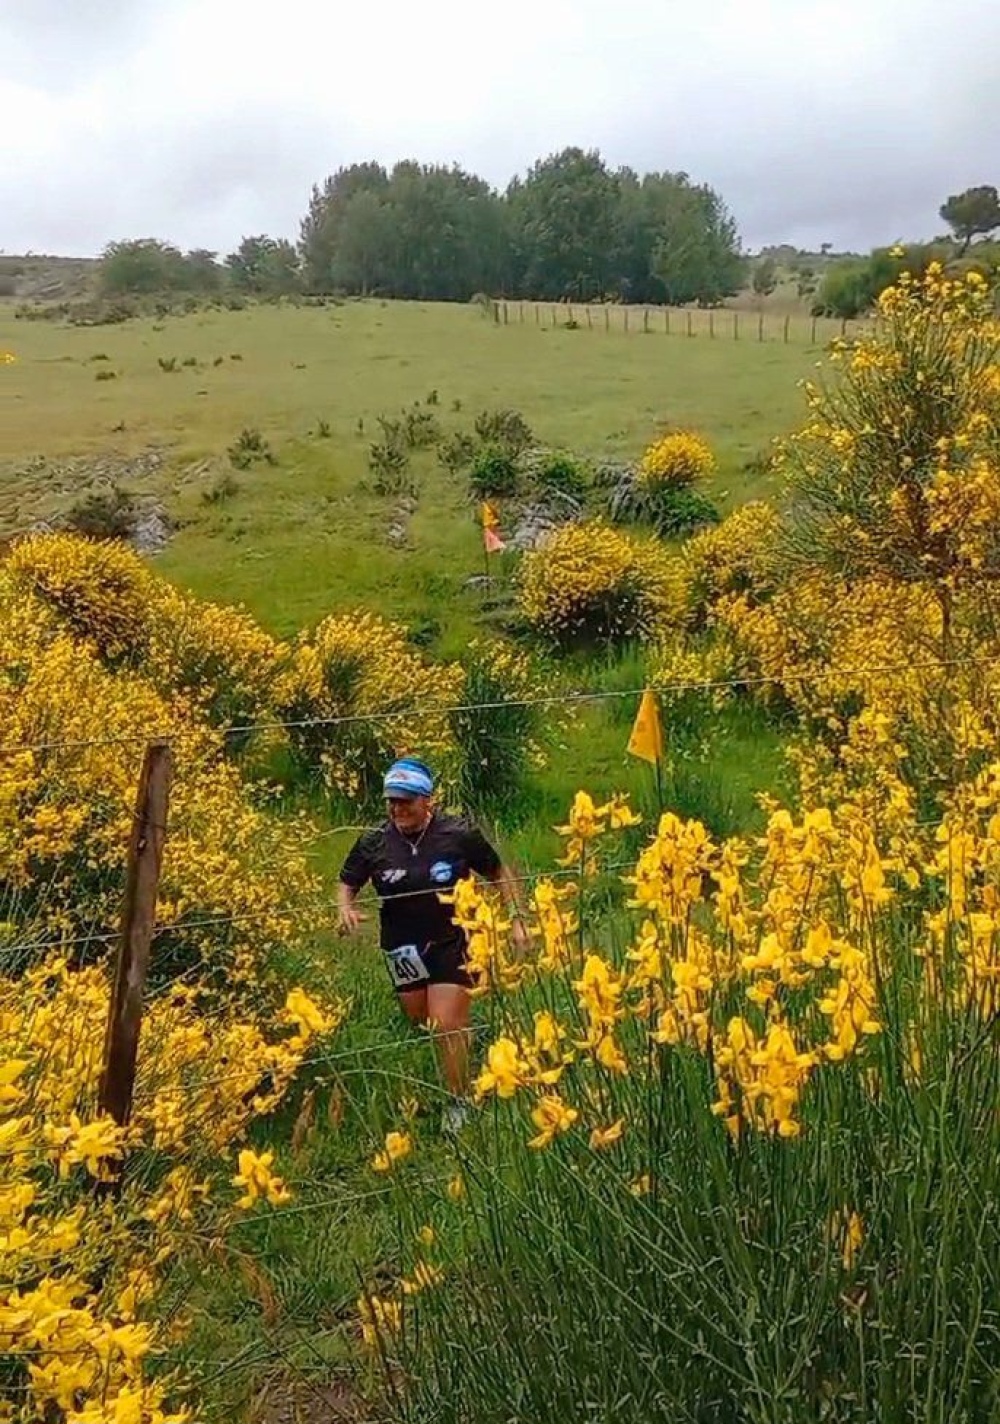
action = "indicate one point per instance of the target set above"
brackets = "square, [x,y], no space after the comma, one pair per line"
[675,461]
[82,1266]
[500,727]
[740,556]
[353,665]
[590,583]
[704,1088]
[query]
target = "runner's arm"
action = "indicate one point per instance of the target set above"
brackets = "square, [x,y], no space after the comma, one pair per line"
[354,875]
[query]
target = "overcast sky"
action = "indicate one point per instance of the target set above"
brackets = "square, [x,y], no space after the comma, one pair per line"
[200,121]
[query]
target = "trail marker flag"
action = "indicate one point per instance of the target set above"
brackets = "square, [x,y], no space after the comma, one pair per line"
[646,740]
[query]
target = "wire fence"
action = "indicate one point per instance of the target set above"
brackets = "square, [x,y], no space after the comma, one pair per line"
[711,323]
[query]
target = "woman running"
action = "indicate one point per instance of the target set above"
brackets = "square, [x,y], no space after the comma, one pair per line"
[413,856]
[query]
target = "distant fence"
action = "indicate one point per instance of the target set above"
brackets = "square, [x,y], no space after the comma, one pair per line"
[715,324]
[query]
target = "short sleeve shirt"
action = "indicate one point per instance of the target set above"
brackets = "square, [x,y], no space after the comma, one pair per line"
[408,877]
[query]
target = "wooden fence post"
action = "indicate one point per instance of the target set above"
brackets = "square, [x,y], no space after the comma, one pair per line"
[555,319]
[760,327]
[666,314]
[689,326]
[812,337]
[787,319]
[626,319]
[607,317]
[145,856]
[590,320]
[711,324]
[505,315]
[645,321]
[736,326]
[538,313]
[521,312]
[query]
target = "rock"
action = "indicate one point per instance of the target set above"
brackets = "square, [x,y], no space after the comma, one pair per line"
[151,531]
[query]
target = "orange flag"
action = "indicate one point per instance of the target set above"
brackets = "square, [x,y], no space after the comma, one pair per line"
[646,740]
[491,523]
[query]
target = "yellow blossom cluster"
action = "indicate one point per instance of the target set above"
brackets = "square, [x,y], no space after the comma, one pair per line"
[675,461]
[591,583]
[81,1265]
[353,665]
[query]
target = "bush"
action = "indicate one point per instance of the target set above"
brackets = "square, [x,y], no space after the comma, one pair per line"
[356,665]
[506,428]
[494,473]
[222,490]
[740,557]
[672,510]
[554,472]
[588,584]
[389,460]
[675,461]
[250,448]
[681,512]
[500,740]
[108,514]
[105,375]
[457,451]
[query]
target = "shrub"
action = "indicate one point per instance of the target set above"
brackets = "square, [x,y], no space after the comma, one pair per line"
[506,428]
[389,460]
[457,451]
[499,740]
[167,364]
[104,514]
[105,375]
[548,472]
[681,512]
[741,557]
[357,666]
[675,461]
[421,428]
[672,510]
[494,473]
[588,583]
[250,448]
[221,490]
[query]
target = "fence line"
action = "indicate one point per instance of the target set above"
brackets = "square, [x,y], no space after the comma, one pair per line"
[713,323]
[565,699]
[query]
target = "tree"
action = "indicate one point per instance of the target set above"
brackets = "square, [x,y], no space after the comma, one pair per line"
[974,213]
[202,272]
[764,278]
[565,219]
[320,230]
[265,266]
[697,255]
[141,266]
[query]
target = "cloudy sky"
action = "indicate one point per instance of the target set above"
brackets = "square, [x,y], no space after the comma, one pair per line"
[199,121]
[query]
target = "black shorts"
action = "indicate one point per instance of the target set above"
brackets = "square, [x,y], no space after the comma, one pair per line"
[414,967]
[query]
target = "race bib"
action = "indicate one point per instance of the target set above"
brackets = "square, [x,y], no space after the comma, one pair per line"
[406,966]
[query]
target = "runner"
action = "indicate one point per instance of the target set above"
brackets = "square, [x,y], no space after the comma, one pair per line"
[417,853]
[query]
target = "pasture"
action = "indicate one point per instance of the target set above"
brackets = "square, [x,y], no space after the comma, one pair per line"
[306,534]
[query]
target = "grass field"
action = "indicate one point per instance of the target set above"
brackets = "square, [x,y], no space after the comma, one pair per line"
[297,538]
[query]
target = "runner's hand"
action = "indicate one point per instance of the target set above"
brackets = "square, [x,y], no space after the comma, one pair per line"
[351,920]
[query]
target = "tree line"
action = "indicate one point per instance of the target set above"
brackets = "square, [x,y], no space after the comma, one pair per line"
[571,228]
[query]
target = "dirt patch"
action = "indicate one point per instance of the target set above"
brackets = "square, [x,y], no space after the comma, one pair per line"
[293,1400]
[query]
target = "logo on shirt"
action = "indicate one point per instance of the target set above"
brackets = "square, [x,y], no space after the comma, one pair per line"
[393,877]
[441,872]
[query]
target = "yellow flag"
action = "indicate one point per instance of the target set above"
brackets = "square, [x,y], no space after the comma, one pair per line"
[491,520]
[646,740]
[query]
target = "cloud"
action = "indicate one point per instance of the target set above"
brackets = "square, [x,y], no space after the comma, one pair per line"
[202,120]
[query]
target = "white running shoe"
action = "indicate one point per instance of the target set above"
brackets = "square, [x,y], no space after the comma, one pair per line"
[455,1115]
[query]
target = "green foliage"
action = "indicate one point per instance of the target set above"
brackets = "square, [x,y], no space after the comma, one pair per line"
[105,375]
[147,267]
[494,473]
[764,277]
[851,287]
[457,451]
[265,267]
[389,459]
[104,514]
[499,730]
[554,472]
[972,213]
[571,227]
[223,489]
[506,428]
[674,512]
[250,448]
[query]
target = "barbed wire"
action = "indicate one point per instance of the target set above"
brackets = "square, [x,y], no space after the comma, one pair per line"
[704,685]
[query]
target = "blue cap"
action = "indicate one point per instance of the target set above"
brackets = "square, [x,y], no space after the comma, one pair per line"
[408,777]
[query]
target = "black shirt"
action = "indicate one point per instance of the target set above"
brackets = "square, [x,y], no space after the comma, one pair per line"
[397,866]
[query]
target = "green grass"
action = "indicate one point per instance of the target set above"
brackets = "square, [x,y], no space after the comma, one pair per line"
[304,536]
